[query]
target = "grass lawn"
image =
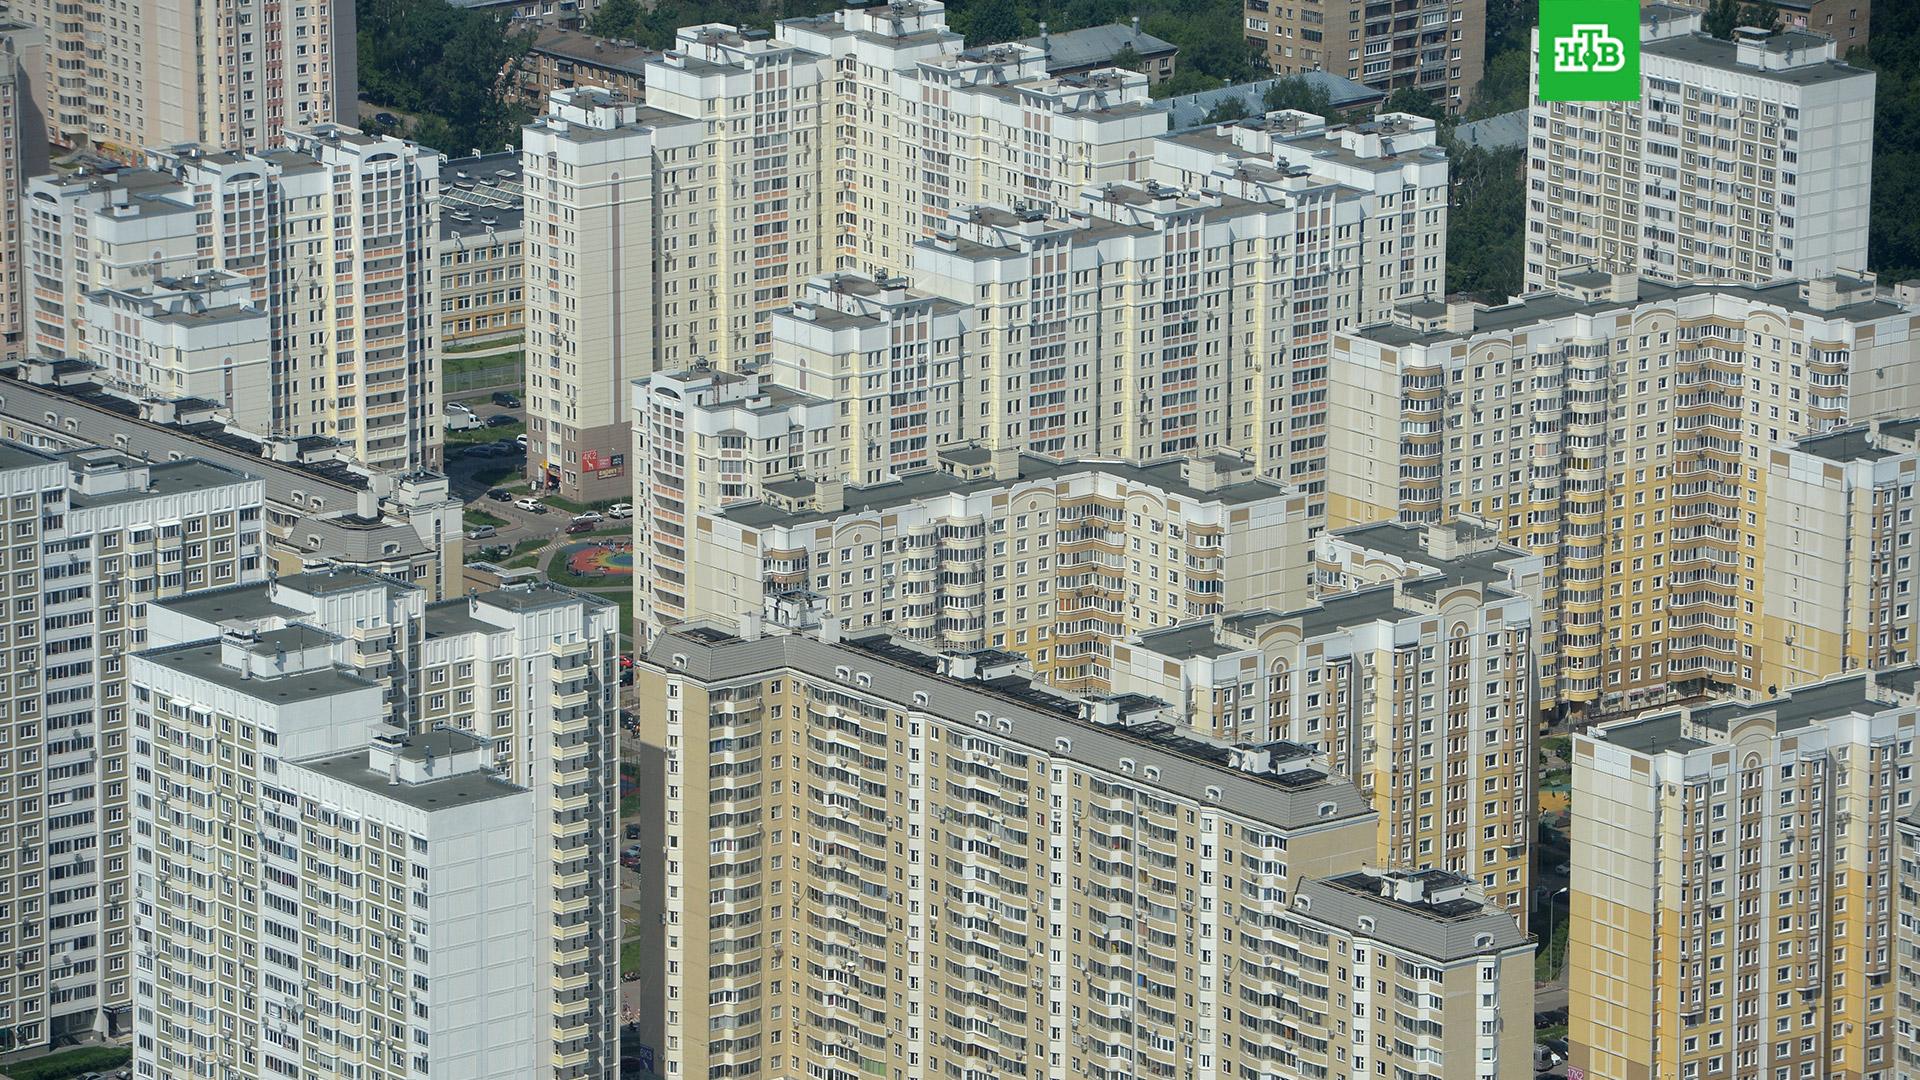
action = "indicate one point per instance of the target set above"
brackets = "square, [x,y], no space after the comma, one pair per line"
[482,361]
[629,951]
[629,803]
[69,1063]
[476,516]
[1555,1031]
[485,346]
[501,473]
[485,434]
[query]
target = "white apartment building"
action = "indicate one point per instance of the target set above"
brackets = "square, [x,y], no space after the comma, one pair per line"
[160,72]
[528,671]
[199,337]
[705,439]
[95,540]
[1744,161]
[1055,562]
[405,868]
[337,237]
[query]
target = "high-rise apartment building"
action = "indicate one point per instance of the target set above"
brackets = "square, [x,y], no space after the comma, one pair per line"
[94,540]
[1744,161]
[1054,562]
[883,148]
[416,951]
[1623,429]
[337,236]
[968,876]
[320,665]
[1734,885]
[24,71]
[126,76]
[1906,950]
[1438,46]
[1421,690]
[1839,563]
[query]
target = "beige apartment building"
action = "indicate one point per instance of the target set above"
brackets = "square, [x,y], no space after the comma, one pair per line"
[1734,884]
[1839,563]
[1624,429]
[969,875]
[1744,161]
[1438,46]
[96,540]
[337,236]
[322,664]
[24,70]
[127,76]
[1056,562]
[1420,689]
[1906,949]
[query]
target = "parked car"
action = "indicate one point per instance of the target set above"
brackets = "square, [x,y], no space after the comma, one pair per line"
[620,510]
[497,551]
[626,660]
[520,440]
[633,832]
[386,119]
[501,419]
[590,515]
[482,532]
[499,494]
[578,526]
[505,400]
[530,505]
[458,406]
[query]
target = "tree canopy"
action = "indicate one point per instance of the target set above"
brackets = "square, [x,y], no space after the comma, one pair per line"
[440,63]
[1893,229]
[1724,16]
[1297,93]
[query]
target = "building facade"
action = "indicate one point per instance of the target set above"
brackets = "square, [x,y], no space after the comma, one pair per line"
[1057,860]
[1439,48]
[562,59]
[1732,899]
[163,72]
[1421,690]
[1622,428]
[482,264]
[1744,161]
[1054,562]
[350,299]
[96,540]
[323,664]
[24,71]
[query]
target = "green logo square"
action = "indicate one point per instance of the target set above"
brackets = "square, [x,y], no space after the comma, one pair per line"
[1589,50]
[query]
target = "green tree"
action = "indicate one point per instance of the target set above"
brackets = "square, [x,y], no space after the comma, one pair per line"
[1184,81]
[1503,87]
[1226,110]
[444,65]
[1893,229]
[1411,99]
[1128,57]
[621,19]
[988,22]
[1297,93]
[1486,217]
[1724,16]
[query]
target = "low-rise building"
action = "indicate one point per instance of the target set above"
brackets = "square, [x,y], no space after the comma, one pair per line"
[191,337]
[1121,45]
[1072,879]
[321,509]
[1733,888]
[481,262]
[560,59]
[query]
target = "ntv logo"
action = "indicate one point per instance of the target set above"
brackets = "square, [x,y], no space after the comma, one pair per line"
[1589,50]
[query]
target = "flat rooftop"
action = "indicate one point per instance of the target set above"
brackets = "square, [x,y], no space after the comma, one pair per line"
[1664,731]
[1708,51]
[1330,615]
[340,579]
[1040,719]
[167,478]
[201,660]
[234,602]
[1446,931]
[442,793]
[928,483]
[1857,444]
[1486,568]
[452,618]
[1541,307]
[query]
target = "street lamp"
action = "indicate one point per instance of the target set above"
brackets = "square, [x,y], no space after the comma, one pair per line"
[1561,891]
